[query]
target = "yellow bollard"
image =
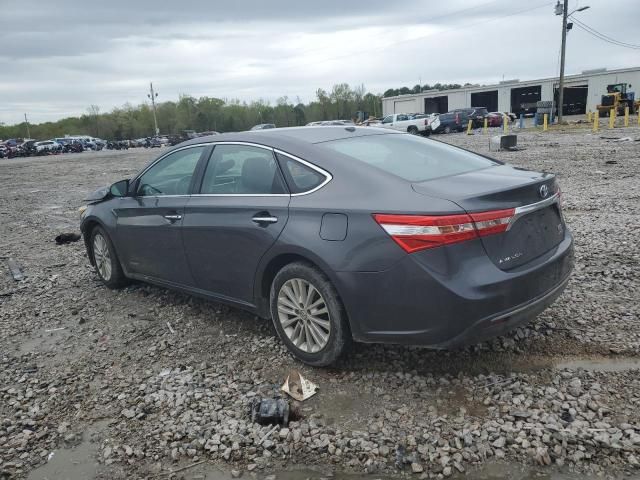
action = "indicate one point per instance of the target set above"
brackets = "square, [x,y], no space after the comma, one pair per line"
[612,118]
[589,116]
[469,126]
[505,124]
[486,124]
[545,122]
[626,116]
[596,120]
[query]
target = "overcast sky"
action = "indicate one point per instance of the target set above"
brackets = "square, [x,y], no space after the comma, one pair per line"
[57,57]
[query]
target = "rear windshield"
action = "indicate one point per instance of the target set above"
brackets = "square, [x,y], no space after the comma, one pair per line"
[410,157]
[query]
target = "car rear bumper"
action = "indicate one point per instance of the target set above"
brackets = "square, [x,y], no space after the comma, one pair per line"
[504,322]
[443,298]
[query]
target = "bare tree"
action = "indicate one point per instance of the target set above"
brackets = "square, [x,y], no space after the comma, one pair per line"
[94,112]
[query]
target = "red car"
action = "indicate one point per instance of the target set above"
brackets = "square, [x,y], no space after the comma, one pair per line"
[494,119]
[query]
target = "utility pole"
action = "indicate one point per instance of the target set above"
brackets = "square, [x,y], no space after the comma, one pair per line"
[153,95]
[27,122]
[562,10]
[565,10]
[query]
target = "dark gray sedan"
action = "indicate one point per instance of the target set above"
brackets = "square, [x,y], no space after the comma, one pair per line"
[340,234]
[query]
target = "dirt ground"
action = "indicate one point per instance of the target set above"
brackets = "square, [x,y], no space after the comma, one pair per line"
[95,384]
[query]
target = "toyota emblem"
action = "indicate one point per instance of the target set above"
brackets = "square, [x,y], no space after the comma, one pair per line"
[544,191]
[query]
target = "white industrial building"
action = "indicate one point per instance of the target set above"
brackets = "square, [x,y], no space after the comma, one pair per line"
[582,93]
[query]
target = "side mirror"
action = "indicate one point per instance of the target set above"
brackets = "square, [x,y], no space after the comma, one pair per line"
[120,189]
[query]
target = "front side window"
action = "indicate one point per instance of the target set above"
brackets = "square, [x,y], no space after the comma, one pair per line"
[242,170]
[409,157]
[172,175]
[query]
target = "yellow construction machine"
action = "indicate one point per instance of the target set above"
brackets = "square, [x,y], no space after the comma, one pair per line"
[618,98]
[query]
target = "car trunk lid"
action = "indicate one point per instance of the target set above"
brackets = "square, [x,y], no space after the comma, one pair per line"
[536,225]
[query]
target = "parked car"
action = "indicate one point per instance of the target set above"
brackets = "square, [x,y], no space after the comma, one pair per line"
[446,123]
[476,114]
[495,119]
[88,144]
[263,126]
[282,223]
[512,116]
[404,122]
[49,146]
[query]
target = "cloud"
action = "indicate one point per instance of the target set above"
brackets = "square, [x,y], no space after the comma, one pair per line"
[60,57]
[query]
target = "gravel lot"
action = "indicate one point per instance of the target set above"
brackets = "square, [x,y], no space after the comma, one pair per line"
[94,384]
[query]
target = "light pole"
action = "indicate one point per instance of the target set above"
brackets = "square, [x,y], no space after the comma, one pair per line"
[27,122]
[153,95]
[562,10]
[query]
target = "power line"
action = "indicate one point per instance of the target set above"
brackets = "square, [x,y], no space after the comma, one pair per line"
[592,31]
[607,37]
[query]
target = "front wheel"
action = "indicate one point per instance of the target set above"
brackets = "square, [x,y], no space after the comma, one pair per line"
[447,129]
[105,259]
[308,315]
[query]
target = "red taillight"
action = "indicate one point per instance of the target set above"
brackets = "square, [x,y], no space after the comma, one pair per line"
[490,223]
[419,232]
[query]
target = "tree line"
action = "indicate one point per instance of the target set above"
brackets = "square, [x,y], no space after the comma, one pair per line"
[205,114]
[222,115]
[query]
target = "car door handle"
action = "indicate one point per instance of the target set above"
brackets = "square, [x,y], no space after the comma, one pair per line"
[265,219]
[173,218]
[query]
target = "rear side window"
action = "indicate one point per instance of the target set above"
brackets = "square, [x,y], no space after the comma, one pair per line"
[408,156]
[242,170]
[300,177]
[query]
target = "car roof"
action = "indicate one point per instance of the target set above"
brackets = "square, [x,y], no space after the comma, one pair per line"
[281,137]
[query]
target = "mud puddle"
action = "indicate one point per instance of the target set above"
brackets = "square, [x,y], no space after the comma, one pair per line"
[344,409]
[490,471]
[590,363]
[605,364]
[44,342]
[77,463]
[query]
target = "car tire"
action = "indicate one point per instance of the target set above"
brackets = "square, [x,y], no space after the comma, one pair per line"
[105,259]
[311,322]
[413,130]
[447,129]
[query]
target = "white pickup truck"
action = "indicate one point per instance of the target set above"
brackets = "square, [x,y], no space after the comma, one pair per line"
[405,122]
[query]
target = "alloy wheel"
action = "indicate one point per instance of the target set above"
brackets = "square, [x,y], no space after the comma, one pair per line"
[102,257]
[303,315]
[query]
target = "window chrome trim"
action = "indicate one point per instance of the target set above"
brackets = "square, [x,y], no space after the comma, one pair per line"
[327,176]
[240,195]
[532,207]
[238,142]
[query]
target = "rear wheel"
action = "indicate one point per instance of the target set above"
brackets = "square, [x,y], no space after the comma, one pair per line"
[308,315]
[105,259]
[412,130]
[447,129]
